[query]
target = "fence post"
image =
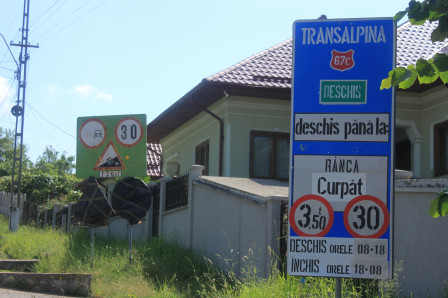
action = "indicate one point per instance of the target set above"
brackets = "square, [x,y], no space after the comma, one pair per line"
[64,218]
[69,215]
[148,222]
[193,172]
[45,218]
[38,211]
[56,208]
[163,182]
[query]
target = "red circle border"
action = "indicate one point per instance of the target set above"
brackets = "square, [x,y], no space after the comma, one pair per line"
[141,132]
[376,201]
[300,201]
[82,126]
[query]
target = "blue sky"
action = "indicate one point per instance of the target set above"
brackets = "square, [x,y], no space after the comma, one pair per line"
[111,57]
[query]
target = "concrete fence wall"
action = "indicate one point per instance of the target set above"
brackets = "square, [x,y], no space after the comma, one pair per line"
[420,241]
[5,202]
[236,228]
[236,223]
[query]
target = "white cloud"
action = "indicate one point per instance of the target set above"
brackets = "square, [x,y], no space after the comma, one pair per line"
[104,96]
[52,89]
[90,92]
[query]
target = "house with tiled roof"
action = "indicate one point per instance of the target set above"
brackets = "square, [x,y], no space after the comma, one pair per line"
[154,160]
[237,122]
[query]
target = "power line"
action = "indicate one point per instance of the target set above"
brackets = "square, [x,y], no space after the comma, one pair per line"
[48,9]
[43,36]
[9,50]
[7,68]
[54,125]
[46,132]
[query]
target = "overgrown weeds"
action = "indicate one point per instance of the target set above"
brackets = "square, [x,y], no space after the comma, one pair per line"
[158,268]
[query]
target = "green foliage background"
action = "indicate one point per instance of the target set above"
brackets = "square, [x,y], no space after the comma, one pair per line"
[48,180]
[425,70]
[42,188]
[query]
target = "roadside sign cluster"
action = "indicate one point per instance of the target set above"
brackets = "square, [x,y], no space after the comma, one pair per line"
[341,182]
[111,146]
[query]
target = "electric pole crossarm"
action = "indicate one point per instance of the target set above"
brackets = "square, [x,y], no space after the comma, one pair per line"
[24,45]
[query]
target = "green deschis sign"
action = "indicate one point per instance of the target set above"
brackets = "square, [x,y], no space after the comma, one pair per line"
[111,146]
[343,92]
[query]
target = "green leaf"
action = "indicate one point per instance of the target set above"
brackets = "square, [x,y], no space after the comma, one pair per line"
[426,72]
[441,62]
[399,15]
[441,32]
[418,13]
[386,83]
[399,75]
[439,206]
[433,211]
[411,80]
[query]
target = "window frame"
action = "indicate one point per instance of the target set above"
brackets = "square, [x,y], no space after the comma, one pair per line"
[274,135]
[197,150]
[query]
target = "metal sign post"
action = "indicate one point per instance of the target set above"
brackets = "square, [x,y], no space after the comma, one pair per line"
[130,243]
[92,245]
[342,132]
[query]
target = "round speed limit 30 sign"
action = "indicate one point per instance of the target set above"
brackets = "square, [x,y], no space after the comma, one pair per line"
[366,217]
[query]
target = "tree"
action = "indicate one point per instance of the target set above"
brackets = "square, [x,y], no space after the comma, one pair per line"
[50,162]
[426,71]
[50,178]
[7,153]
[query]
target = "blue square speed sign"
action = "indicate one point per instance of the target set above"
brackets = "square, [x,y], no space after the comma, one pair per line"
[342,124]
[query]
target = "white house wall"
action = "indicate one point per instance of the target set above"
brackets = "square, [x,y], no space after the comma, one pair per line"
[246,115]
[415,112]
[425,110]
[241,115]
[180,145]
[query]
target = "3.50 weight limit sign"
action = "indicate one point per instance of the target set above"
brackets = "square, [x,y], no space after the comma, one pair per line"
[342,132]
[311,215]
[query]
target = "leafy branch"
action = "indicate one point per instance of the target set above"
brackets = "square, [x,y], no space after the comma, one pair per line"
[439,206]
[426,71]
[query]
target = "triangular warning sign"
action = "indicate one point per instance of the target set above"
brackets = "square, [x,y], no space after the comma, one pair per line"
[110,159]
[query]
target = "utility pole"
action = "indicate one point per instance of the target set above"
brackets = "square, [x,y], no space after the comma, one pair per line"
[19,112]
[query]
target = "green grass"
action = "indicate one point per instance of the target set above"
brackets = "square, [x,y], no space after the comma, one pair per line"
[158,268]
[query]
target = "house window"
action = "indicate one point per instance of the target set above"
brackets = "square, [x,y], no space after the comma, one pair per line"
[269,155]
[441,149]
[403,155]
[202,156]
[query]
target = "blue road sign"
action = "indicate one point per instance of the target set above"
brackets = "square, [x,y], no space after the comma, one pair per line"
[341,181]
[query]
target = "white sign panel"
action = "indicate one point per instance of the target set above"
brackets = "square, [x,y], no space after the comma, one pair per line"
[342,127]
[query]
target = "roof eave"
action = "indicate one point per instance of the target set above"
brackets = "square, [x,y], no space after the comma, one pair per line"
[206,93]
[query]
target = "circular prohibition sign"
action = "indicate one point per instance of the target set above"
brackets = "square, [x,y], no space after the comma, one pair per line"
[315,215]
[129,132]
[368,215]
[92,133]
